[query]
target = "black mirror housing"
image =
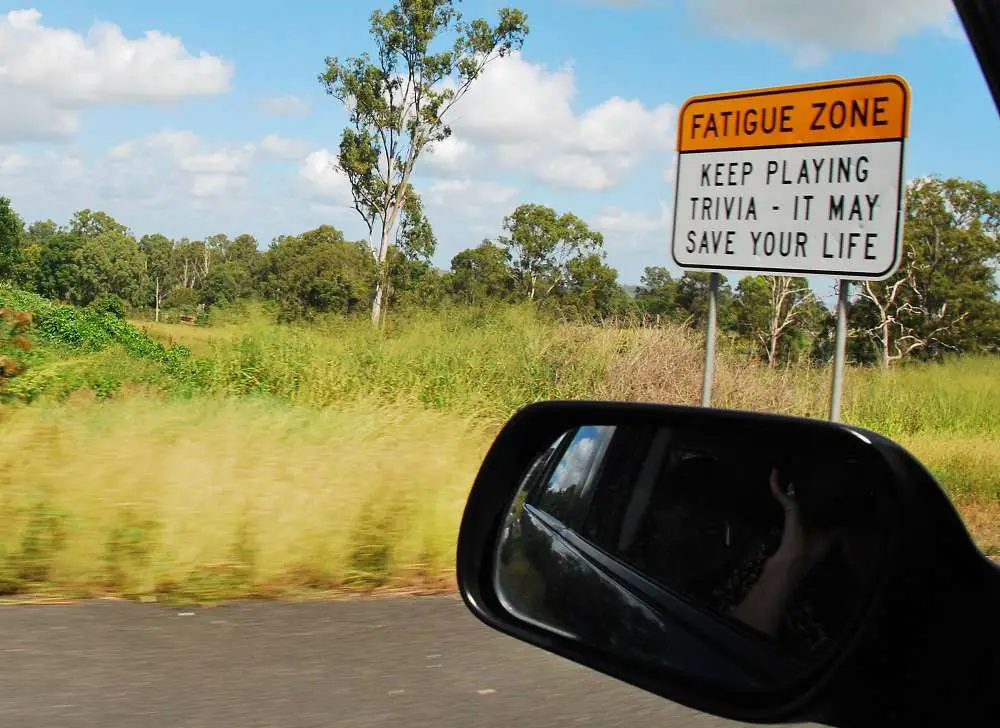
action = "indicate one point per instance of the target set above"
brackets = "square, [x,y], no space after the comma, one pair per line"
[928,561]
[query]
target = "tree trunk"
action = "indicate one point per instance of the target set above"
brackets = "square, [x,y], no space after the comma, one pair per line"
[772,350]
[379,303]
[157,299]
[885,341]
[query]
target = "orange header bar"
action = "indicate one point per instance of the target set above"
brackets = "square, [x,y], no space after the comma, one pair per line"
[854,110]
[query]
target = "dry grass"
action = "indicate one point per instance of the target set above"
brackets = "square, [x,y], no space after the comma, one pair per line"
[666,365]
[206,498]
[968,468]
[199,339]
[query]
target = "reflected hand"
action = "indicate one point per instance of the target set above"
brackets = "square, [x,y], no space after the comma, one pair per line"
[800,548]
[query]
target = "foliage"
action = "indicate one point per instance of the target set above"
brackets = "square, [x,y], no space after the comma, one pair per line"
[369,491]
[541,243]
[776,314]
[398,104]
[317,272]
[12,241]
[591,289]
[76,330]
[157,250]
[14,342]
[944,297]
[692,300]
[108,303]
[57,270]
[657,293]
[482,274]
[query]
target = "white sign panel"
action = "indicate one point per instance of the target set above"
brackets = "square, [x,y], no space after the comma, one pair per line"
[806,180]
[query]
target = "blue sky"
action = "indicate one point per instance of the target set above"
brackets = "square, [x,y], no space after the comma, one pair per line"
[216,122]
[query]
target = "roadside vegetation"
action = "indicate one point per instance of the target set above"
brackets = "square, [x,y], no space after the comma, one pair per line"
[265,459]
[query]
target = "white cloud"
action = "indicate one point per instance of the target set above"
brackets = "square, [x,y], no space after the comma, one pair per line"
[575,171]
[469,199]
[810,29]
[621,126]
[525,113]
[632,230]
[216,184]
[229,161]
[670,170]
[171,165]
[167,142]
[450,154]
[279,147]
[48,74]
[46,184]
[285,106]
[321,176]
[50,168]
[178,183]
[12,162]
[514,100]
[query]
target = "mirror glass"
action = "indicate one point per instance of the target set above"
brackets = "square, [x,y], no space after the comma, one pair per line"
[742,558]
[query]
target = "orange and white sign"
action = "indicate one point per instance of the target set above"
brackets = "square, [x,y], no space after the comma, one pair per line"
[797,180]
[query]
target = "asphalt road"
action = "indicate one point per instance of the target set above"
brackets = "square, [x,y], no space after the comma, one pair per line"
[390,662]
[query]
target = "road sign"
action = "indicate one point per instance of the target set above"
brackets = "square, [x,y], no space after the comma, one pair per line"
[796,180]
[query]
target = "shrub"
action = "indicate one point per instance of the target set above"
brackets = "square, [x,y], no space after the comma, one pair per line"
[108,303]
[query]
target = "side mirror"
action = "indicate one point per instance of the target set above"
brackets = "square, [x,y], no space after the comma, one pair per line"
[758,567]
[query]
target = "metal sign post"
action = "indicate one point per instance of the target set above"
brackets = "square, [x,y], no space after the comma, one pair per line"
[710,334]
[792,181]
[840,352]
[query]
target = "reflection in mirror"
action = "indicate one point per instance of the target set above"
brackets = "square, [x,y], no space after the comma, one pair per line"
[723,557]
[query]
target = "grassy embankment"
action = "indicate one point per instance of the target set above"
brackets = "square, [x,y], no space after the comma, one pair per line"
[282,461]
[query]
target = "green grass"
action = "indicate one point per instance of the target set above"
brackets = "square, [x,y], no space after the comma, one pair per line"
[960,396]
[248,458]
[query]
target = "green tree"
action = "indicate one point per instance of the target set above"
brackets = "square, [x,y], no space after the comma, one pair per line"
[110,303]
[244,251]
[107,259]
[591,289]
[227,282]
[37,236]
[415,237]
[541,242]
[398,103]
[109,262]
[481,274]
[57,269]
[233,269]
[411,279]
[657,292]
[158,250]
[187,264]
[944,295]
[692,300]
[11,242]
[822,322]
[771,311]
[413,283]
[89,224]
[316,272]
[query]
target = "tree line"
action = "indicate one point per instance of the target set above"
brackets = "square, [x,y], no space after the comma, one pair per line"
[942,299]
